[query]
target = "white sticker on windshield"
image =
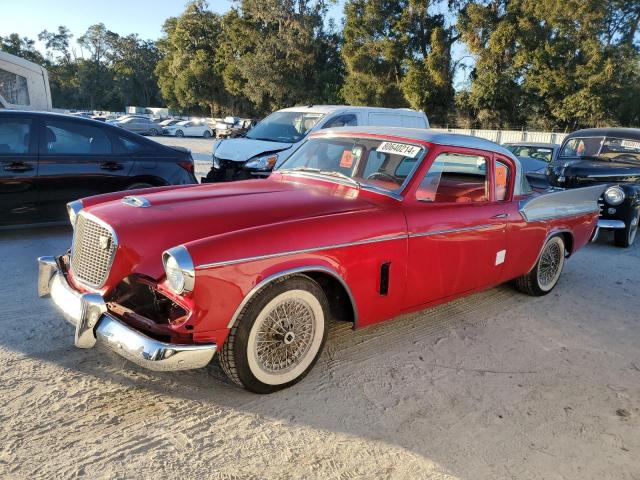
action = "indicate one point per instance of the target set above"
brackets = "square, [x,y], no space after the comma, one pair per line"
[630,144]
[403,149]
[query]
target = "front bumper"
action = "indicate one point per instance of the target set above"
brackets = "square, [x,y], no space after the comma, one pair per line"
[94,324]
[613,224]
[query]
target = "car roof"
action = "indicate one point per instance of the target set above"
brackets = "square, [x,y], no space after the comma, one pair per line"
[633,133]
[425,135]
[334,108]
[430,136]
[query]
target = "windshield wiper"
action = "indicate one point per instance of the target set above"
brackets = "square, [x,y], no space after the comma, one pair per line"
[328,173]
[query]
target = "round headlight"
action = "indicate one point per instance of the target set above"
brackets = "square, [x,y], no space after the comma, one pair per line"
[614,195]
[179,269]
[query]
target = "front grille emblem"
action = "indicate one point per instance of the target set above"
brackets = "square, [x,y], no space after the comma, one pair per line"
[104,242]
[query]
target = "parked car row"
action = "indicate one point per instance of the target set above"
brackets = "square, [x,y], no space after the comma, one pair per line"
[595,156]
[48,160]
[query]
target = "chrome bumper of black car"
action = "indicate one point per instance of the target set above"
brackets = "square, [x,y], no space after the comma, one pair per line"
[93,324]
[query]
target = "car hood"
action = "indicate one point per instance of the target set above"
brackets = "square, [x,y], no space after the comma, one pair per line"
[185,214]
[602,171]
[243,149]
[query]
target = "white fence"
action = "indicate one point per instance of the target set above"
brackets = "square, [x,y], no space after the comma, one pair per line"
[506,136]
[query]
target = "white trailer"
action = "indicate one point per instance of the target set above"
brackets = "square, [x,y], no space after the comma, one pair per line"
[24,85]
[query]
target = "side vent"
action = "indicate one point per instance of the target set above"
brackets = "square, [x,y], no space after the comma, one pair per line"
[384,278]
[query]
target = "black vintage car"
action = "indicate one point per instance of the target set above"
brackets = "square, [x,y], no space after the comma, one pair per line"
[604,156]
[47,160]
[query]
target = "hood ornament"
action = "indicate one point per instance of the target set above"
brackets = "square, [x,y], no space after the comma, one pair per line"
[136,201]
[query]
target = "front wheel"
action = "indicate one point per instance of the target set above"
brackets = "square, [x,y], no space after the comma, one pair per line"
[206,134]
[626,236]
[153,132]
[278,336]
[546,273]
[179,133]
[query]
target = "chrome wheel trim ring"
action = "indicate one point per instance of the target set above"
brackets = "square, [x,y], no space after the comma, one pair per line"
[285,337]
[550,264]
[633,231]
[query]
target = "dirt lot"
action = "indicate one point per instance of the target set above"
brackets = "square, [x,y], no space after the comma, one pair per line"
[498,385]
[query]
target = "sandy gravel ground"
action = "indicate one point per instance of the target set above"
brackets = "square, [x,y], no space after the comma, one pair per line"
[495,386]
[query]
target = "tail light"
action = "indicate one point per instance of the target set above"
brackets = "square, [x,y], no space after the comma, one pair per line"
[187,165]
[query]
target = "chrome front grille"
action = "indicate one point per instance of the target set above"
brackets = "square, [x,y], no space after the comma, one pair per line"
[94,246]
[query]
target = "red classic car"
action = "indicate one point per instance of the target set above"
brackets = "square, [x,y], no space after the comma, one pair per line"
[358,225]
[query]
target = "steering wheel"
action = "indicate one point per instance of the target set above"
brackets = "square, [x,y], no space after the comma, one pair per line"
[382,176]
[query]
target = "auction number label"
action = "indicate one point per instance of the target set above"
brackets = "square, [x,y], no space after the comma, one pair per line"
[403,149]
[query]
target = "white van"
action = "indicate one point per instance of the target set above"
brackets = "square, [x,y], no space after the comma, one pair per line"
[24,85]
[271,141]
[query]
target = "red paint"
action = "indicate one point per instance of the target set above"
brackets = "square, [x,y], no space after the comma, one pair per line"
[231,221]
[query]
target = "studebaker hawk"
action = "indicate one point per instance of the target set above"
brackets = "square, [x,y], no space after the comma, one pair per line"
[360,224]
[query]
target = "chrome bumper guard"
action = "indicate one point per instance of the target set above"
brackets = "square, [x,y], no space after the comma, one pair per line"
[93,324]
[616,224]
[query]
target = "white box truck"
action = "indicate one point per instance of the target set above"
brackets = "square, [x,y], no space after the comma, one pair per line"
[24,85]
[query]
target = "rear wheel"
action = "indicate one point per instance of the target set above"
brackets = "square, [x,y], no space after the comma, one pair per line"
[153,132]
[206,134]
[278,336]
[546,273]
[625,237]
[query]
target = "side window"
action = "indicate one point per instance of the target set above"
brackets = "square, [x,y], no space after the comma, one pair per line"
[75,138]
[501,181]
[374,163]
[347,120]
[131,146]
[13,88]
[15,135]
[455,177]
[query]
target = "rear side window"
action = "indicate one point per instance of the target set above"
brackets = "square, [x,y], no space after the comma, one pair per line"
[131,146]
[13,88]
[347,120]
[15,135]
[455,177]
[75,138]
[501,181]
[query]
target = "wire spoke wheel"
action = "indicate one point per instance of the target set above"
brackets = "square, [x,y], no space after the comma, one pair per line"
[550,265]
[284,336]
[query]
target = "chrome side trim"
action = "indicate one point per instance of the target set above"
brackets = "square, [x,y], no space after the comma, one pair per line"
[451,230]
[295,252]
[136,201]
[292,271]
[563,203]
[616,224]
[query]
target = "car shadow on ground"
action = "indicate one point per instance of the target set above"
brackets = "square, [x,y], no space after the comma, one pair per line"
[364,385]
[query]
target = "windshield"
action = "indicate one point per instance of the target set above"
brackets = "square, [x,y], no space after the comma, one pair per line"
[603,148]
[287,127]
[541,153]
[376,164]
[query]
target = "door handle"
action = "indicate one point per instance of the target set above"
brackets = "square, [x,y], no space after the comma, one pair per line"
[18,167]
[500,215]
[111,166]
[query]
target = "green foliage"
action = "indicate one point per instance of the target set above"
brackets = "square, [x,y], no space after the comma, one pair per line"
[548,64]
[188,74]
[279,53]
[553,64]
